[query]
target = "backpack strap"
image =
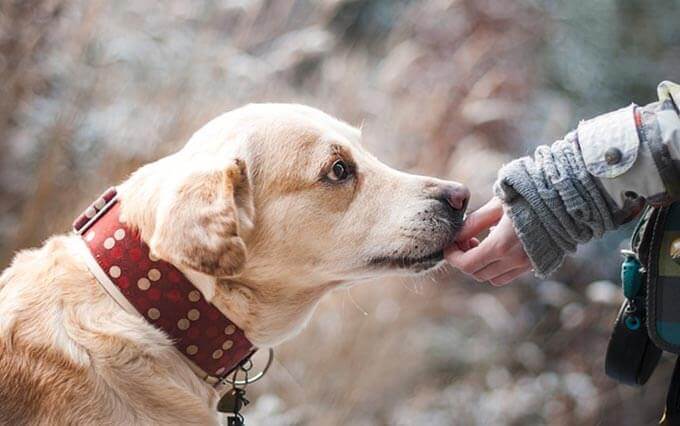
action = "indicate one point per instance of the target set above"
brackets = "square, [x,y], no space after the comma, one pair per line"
[631,355]
[663,280]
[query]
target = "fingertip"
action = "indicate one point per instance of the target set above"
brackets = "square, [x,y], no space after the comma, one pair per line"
[466,245]
[481,219]
[451,255]
[451,250]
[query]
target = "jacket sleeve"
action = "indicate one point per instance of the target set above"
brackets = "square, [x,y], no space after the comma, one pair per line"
[595,179]
[635,150]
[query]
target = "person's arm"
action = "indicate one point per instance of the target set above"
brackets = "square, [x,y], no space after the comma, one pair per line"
[590,182]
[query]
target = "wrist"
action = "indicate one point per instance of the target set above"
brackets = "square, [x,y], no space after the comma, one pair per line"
[544,254]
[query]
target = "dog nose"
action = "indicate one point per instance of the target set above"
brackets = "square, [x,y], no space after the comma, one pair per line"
[453,194]
[457,196]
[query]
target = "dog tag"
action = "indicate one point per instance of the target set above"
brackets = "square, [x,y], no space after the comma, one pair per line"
[232,401]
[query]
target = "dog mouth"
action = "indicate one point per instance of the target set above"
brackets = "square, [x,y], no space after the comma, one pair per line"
[441,234]
[416,264]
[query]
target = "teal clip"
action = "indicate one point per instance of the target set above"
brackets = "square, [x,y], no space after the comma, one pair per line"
[633,323]
[631,277]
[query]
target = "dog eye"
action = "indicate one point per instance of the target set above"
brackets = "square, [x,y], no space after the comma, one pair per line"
[339,171]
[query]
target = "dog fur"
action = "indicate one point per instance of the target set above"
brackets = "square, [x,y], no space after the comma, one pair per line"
[248,212]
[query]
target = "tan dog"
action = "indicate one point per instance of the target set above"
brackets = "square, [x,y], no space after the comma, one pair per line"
[266,209]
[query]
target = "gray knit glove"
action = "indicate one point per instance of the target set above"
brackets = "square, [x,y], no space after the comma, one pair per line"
[554,203]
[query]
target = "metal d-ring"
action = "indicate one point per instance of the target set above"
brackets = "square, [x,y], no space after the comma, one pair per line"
[629,253]
[249,364]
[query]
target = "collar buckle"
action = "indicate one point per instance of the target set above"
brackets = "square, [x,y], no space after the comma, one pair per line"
[96,210]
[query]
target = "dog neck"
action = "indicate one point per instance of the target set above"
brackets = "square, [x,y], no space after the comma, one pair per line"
[143,284]
[269,312]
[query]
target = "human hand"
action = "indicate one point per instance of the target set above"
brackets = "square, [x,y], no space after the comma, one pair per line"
[500,257]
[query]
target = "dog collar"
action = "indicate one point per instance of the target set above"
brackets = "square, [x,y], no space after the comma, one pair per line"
[159,292]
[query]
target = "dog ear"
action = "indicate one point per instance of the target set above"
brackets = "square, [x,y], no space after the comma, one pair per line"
[198,222]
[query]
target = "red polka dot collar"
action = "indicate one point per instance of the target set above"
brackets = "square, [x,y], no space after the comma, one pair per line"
[141,283]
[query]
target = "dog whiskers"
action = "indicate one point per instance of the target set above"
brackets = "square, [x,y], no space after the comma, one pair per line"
[354,302]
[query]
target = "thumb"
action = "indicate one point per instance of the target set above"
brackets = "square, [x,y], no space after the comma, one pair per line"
[481,219]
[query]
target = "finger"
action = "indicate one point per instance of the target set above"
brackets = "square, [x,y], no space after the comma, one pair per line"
[509,276]
[493,269]
[507,263]
[463,245]
[467,245]
[481,219]
[474,259]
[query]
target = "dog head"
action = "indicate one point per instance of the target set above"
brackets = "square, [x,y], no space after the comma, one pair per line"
[285,193]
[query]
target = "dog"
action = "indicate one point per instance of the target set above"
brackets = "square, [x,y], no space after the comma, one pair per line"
[266,209]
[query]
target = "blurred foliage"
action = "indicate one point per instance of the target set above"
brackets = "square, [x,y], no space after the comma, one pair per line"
[608,53]
[90,90]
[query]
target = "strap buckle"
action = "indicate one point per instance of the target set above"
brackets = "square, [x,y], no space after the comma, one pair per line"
[96,210]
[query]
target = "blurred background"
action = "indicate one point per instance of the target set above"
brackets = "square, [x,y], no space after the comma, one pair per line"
[90,90]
